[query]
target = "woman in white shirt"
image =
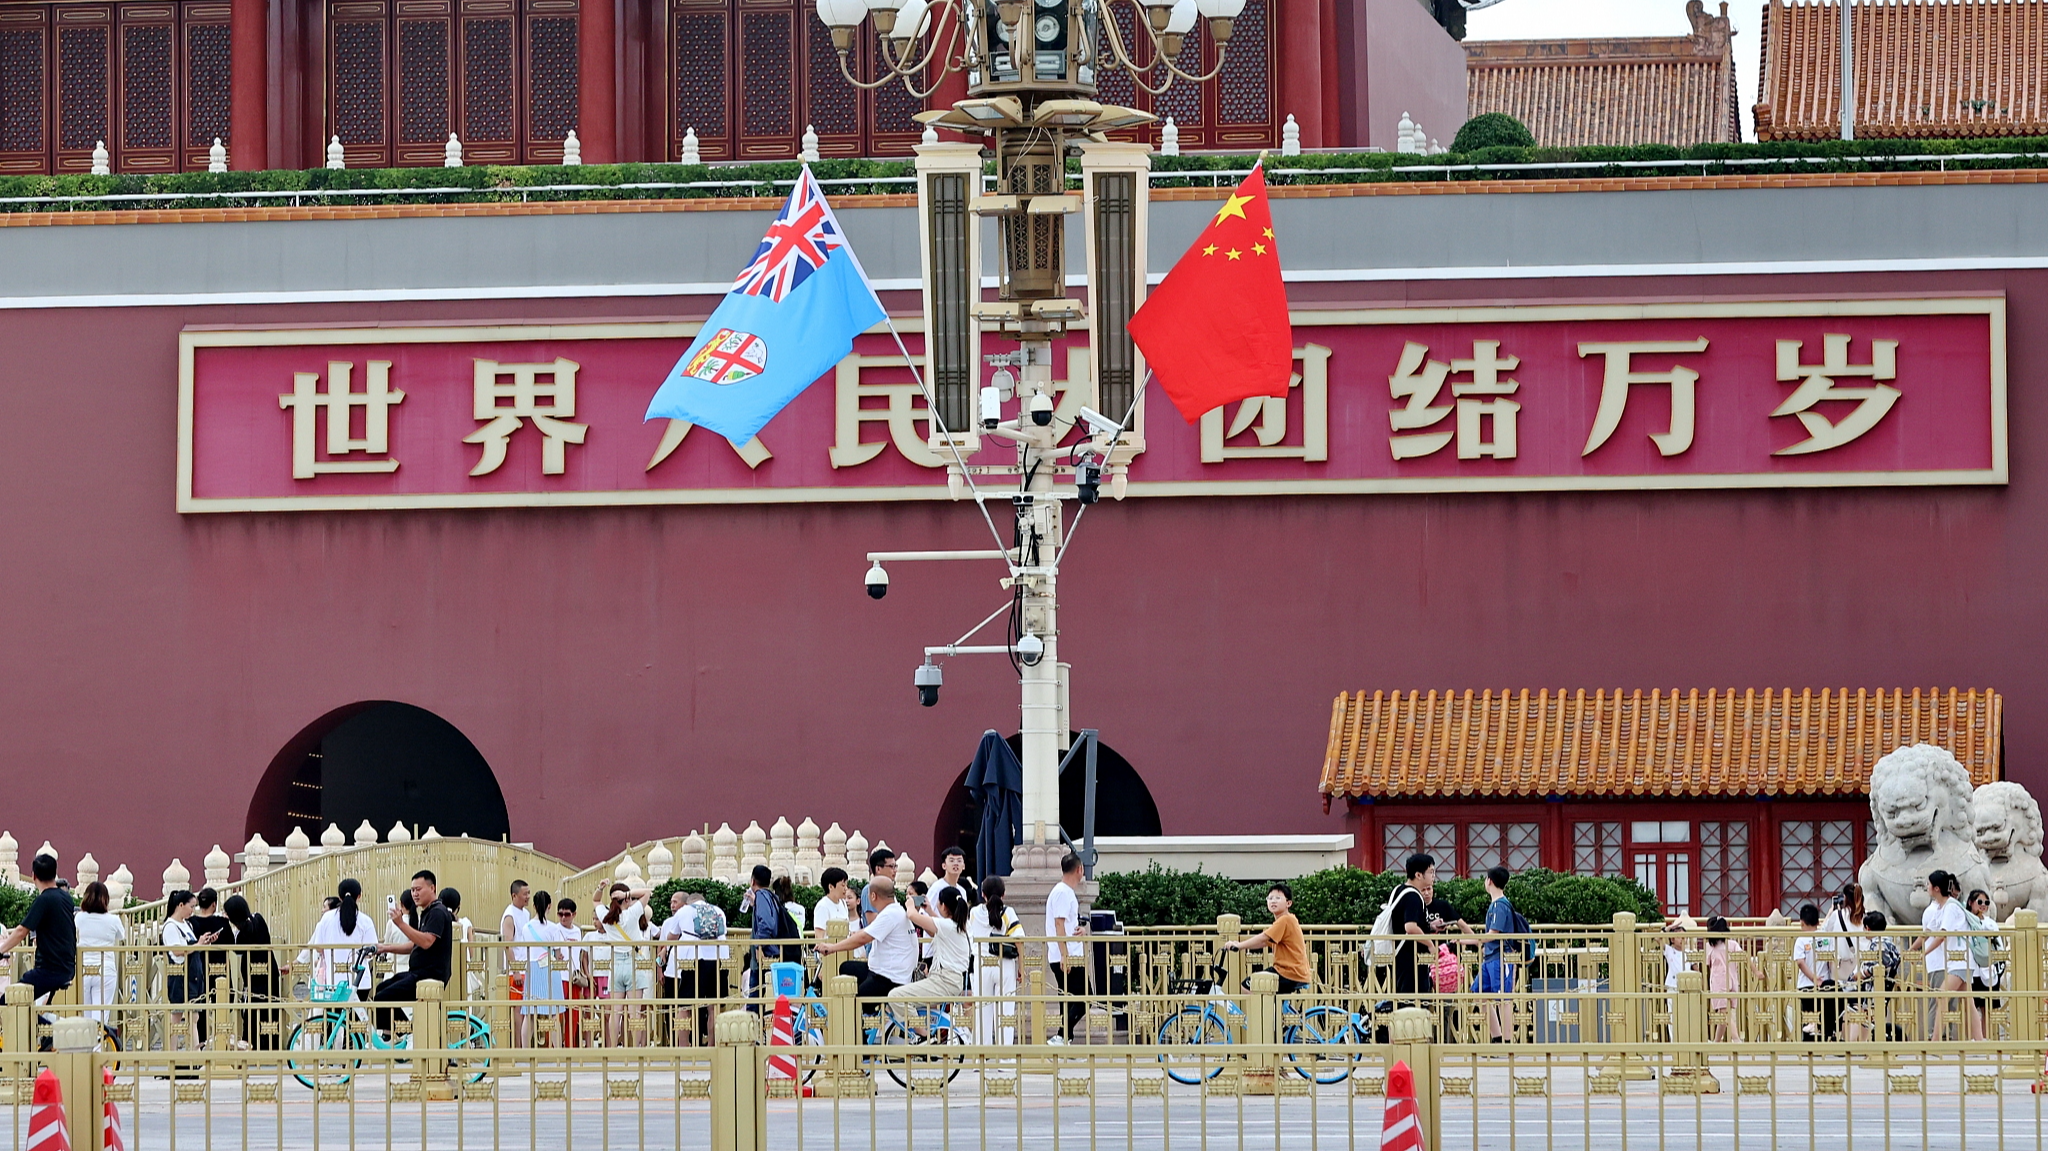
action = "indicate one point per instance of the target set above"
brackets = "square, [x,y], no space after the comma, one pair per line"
[626,922]
[1948,958]
[543,979]
[952,952]
[177,935]
[98,927]
[995,971]
[342,930]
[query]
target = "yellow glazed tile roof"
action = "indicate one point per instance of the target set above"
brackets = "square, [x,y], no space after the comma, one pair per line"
[1642,90]
[1720,742]
[1951,68]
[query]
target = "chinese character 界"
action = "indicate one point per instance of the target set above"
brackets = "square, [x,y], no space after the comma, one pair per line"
[305,401]
[1817,383]
[1420,381]
[1620,374]
[1266,416]
[507,394]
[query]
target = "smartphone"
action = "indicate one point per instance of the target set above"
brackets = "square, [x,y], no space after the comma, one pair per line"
[390,902]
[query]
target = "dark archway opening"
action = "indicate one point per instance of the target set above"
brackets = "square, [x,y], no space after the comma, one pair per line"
[1123,805]
[381,761]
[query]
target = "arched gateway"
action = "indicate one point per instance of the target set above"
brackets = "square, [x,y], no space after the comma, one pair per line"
[1123,804]
[381,761]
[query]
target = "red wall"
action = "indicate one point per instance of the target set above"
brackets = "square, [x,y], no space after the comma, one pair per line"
[632,672]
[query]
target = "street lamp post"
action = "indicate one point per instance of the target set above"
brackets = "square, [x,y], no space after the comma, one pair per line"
[1025,441]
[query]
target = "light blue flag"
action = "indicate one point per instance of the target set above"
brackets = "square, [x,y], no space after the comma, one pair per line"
[791,316]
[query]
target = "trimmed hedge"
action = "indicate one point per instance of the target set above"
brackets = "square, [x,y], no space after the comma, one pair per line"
[1352,896]
[14,904]
[502,184]
[1492,130]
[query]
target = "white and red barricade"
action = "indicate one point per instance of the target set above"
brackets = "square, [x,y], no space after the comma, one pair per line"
[110,1121]
[46,1127]
[1402,1129]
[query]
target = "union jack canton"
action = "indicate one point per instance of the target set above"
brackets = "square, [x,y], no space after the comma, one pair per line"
[797,244]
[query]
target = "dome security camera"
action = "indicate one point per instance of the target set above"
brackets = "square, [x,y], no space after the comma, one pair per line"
[928,678]
[878,581]
[1030,650]
[1041,409]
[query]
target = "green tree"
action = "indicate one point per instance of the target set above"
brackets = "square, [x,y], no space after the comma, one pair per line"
[1492,130]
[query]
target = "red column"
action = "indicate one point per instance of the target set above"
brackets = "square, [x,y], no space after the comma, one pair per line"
[248,76]
[597,92]
[1301,67]
[953,88]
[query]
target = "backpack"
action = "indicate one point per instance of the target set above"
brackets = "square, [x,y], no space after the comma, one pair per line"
[1980,946]
[1383,925]
[785,925]
[1519,925]
[707,922]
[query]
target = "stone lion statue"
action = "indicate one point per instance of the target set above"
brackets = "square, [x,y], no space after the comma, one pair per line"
[2008,833]
[1920,807]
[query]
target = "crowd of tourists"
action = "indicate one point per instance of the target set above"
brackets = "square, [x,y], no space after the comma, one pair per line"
[589,976]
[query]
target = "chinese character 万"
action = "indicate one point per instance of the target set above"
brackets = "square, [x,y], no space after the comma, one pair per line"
[1266,417]
[1420,381]
[1620,373]
[1817,383]
[305,401]
[507,394]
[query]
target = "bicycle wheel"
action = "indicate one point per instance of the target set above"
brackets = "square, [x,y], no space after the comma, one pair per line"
[1323,1024]
[921,1051]
[1195,1039]
[470,1034]
[809,1040]
[319,1040]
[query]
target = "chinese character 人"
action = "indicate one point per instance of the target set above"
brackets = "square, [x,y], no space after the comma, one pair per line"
[1420,381]
[508,394]
[305,401]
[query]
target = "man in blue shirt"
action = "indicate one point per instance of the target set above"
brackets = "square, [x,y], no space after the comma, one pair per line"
[1496,973]
[767,912]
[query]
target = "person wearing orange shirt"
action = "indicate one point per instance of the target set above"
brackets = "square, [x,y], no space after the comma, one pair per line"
[1290,951]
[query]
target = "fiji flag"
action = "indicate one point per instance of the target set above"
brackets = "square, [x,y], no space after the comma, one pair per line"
[791,316]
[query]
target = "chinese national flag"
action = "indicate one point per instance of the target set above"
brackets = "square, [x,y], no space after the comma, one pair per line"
[1216,330]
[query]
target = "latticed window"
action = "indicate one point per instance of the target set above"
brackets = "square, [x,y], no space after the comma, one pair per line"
[1724,868]
[1513,846]
[1815,858]
[1596,848]
[1401,841]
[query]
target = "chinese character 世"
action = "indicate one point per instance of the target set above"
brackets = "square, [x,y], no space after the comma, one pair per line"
[1620,374]
[1266,417]
[1817,383]
[305,401]
[1420,381]
[507,394]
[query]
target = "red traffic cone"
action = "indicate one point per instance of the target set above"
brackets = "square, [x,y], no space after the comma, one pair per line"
[110,1125]
[783,1036]
[1402,1129]
[46,1128]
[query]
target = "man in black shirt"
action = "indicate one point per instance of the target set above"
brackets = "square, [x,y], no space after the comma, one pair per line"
[49,917]
[430,944]
[1411,918]
[203,966]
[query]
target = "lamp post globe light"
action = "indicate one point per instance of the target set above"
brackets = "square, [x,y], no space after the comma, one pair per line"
[1023,443]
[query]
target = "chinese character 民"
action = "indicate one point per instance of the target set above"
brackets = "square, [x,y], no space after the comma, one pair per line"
[1817,383]
[507,394]
[1620,373]
[1266,417]
[907,415]
[305,401]
[1420,381]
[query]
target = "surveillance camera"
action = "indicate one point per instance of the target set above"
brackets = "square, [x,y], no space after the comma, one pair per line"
[1004,382]
[1099,424]
[991,406]
[1041,409]
[878,581]
[1030,650]
[929,676]
[1088,482]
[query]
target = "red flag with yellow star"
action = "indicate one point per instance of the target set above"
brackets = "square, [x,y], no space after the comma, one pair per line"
[1216,330]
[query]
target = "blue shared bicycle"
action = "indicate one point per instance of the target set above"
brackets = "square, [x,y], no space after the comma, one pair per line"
[1197,1036]
[346,1027]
